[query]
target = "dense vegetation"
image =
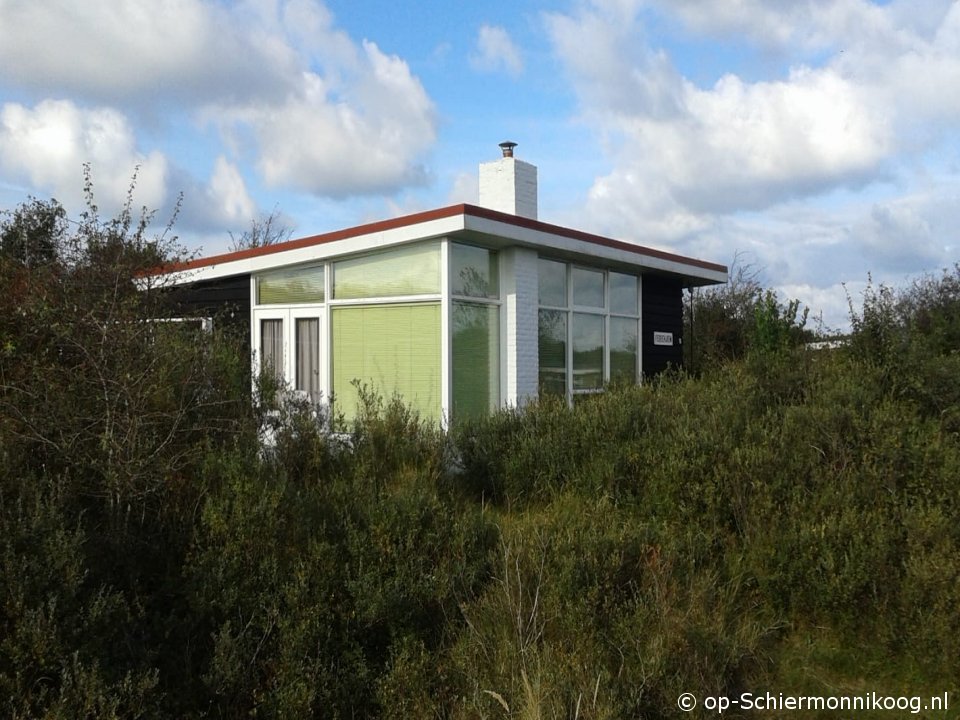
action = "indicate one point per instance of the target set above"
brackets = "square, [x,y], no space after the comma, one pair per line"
[787,520]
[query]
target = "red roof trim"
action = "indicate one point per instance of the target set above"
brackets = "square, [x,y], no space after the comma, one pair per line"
[374,227]
[438,214]
[589,237]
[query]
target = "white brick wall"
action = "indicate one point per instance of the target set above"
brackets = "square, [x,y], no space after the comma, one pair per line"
[520,289]
[509,185]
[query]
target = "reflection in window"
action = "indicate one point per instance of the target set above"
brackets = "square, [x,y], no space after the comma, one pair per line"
[623,294]
[553,283]
[623,349]
[588,327]
[587,287]
[553,352]
[476,359]
[587,351]
[474,272]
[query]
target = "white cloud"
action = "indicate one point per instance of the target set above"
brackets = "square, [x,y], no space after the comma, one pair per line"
[371,136]
[465,189]
[836,169]
[130,50]
[49,144]
[496,52]
[315,110]
[227,195]
[683,157]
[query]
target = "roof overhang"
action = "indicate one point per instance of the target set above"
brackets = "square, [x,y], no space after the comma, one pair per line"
[465,222]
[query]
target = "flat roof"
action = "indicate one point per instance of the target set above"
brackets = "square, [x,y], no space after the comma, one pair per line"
[456,220]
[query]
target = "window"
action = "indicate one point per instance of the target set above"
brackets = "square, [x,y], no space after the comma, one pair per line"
[288,287]
[587,351]
[553,283]
[474,272]
[394,349]
[552,344]
[476,359]
[623,294]
[474,330]
[308,358]
[408,270]
[271,348]
[623,349]
[588,328]
[587,288]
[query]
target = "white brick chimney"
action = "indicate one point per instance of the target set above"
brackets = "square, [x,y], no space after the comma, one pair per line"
[509,185]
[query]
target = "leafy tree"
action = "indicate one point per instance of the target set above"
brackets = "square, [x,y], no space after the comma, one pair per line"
[725,322]
[106,413]
[31,233]
[776,327]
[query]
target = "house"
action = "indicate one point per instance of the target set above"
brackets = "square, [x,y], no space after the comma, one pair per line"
[459,310]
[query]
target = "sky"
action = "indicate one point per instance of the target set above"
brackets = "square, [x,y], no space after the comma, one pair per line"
[815,143]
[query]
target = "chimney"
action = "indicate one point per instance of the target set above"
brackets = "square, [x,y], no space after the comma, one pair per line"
[509,185]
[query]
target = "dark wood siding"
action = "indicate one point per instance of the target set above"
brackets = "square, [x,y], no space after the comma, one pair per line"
[661,311]
[227,300]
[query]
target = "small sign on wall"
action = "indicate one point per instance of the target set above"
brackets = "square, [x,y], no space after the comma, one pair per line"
[662,338]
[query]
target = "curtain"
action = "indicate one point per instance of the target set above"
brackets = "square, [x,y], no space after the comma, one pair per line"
[271,348]
[308,357]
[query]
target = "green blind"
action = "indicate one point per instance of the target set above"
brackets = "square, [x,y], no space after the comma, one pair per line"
[409,270]
[552,348]
[284,287]
[394,349]
[476,359]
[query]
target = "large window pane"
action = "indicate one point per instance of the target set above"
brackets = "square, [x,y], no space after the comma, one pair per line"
[476,359]
[553,352]
[394,349]
[308,357]
[623,349]
[553,282]
[299,285]
[474,272]
[410,270]
[623,294]
[271,348]
[587,351]
[587,287]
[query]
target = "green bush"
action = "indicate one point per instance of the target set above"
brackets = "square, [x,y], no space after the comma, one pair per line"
[785,519]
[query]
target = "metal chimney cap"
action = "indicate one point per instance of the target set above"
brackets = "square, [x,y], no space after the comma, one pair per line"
[507,148]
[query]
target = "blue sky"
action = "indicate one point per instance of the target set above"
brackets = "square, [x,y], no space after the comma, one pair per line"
[814,140]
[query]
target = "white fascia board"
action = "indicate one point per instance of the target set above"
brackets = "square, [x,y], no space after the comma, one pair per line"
[590,250]
[426,230]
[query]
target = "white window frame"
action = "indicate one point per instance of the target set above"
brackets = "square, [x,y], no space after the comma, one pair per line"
[449,299]
[606,312]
